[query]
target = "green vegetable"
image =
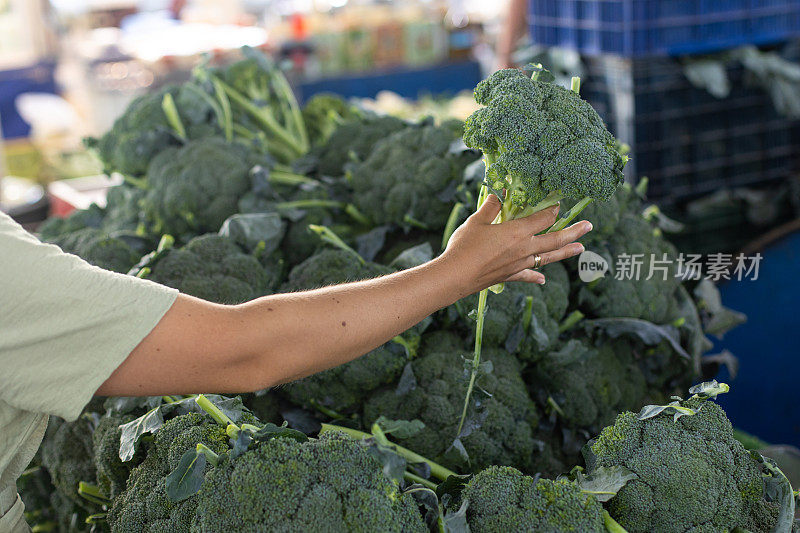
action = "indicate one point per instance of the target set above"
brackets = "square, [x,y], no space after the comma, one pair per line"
[98,248]
[504,499]
[691,471]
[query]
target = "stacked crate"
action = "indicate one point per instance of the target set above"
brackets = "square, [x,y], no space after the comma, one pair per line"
[687,141]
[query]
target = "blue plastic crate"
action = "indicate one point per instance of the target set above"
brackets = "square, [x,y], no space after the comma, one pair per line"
[661,27]
[686,141]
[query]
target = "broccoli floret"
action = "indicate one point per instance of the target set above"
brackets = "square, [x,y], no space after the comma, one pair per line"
[137,136]
[352,141]
[214,268]
[98,248]
[504,499]
[541,142]
[341,388]
[323,113]
[144,505]
[112,473]
[406,177]
[193,189]
[67,456]
[123,211]
[330,484]
[503,421]
[692,474]
[54,228]
[588,385]
[632,295]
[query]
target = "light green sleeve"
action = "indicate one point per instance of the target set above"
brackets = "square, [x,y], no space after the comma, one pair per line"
[65,325]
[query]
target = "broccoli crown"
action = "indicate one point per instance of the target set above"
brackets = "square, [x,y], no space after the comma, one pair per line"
[96,247]
[112,473]
[123,212]
[406,177]
[193,189]
[341,388]
[650,294]
[329,484]
[692,474]
[67,456]
[323,113]
[353,141]
[502,421]
[55,228]
[144,505]
[504,499]
[588,384]
[137,136]
[540,138]
[524,318]
[214,268]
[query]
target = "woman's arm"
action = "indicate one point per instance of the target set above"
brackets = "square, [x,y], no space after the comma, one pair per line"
[514,27]
[199,346]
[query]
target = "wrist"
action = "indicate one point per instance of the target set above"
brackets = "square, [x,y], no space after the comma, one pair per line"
[450,276]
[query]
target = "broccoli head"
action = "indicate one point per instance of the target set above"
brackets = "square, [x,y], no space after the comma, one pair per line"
[589,385]
[329,484]
[54,228]
[98,248]
[504,499]
[406,178]
[502,422]
[353,140]
[692,474]
[67,456]
[214,268]
[343,387]
[323,113]
[194,188]
[123,212]
[137,136]
[144,505]
[541,141]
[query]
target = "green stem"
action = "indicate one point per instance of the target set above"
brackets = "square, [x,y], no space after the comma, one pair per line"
[327,235]
[288,95]
[452,221]
[92,493]
[139,183]
[210,454]
[326,410]
[225,109]
[208,406]
[410,349]
[96,518]
[476,359]
[570,216]
[309,203]
[437,470]
[527,314]
[572,319]
[357,215]
[421,480]
[282,177]
[263,117]
[612,525]
[173,117]
[413,222]
[575,86]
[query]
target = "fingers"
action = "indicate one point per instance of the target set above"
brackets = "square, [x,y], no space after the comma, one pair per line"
[488,211]
[539,221]
[570,250]
[529,276]
[560,239]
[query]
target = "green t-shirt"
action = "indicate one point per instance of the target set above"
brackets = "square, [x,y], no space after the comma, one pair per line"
[65,326]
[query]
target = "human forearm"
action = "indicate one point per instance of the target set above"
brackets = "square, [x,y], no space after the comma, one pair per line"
[513,29]
[314,330]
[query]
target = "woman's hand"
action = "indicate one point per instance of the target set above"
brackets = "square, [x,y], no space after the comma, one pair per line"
[483,254]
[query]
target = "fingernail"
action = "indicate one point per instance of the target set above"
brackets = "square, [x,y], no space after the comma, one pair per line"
[541,281]
[581,248]
[589,226]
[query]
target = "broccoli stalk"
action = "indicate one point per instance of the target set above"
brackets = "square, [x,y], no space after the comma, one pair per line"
[438,471]
[541,144]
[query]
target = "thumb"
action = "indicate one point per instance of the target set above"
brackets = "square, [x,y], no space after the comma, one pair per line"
[489,210]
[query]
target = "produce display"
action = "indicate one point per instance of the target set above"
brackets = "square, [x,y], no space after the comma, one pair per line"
[531,408]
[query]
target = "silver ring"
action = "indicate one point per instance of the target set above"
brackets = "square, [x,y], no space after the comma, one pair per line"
[537,261]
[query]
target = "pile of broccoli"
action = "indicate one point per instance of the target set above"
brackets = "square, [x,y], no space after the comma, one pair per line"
[233,191]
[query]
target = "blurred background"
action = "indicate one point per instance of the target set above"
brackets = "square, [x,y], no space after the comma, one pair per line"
[707,95]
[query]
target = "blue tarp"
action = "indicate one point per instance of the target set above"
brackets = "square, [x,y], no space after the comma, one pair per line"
[764,396]
[407,82]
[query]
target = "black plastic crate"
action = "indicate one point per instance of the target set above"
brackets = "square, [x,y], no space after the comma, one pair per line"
[685,140]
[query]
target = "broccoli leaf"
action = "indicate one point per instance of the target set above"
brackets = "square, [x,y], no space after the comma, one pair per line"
[604,482]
